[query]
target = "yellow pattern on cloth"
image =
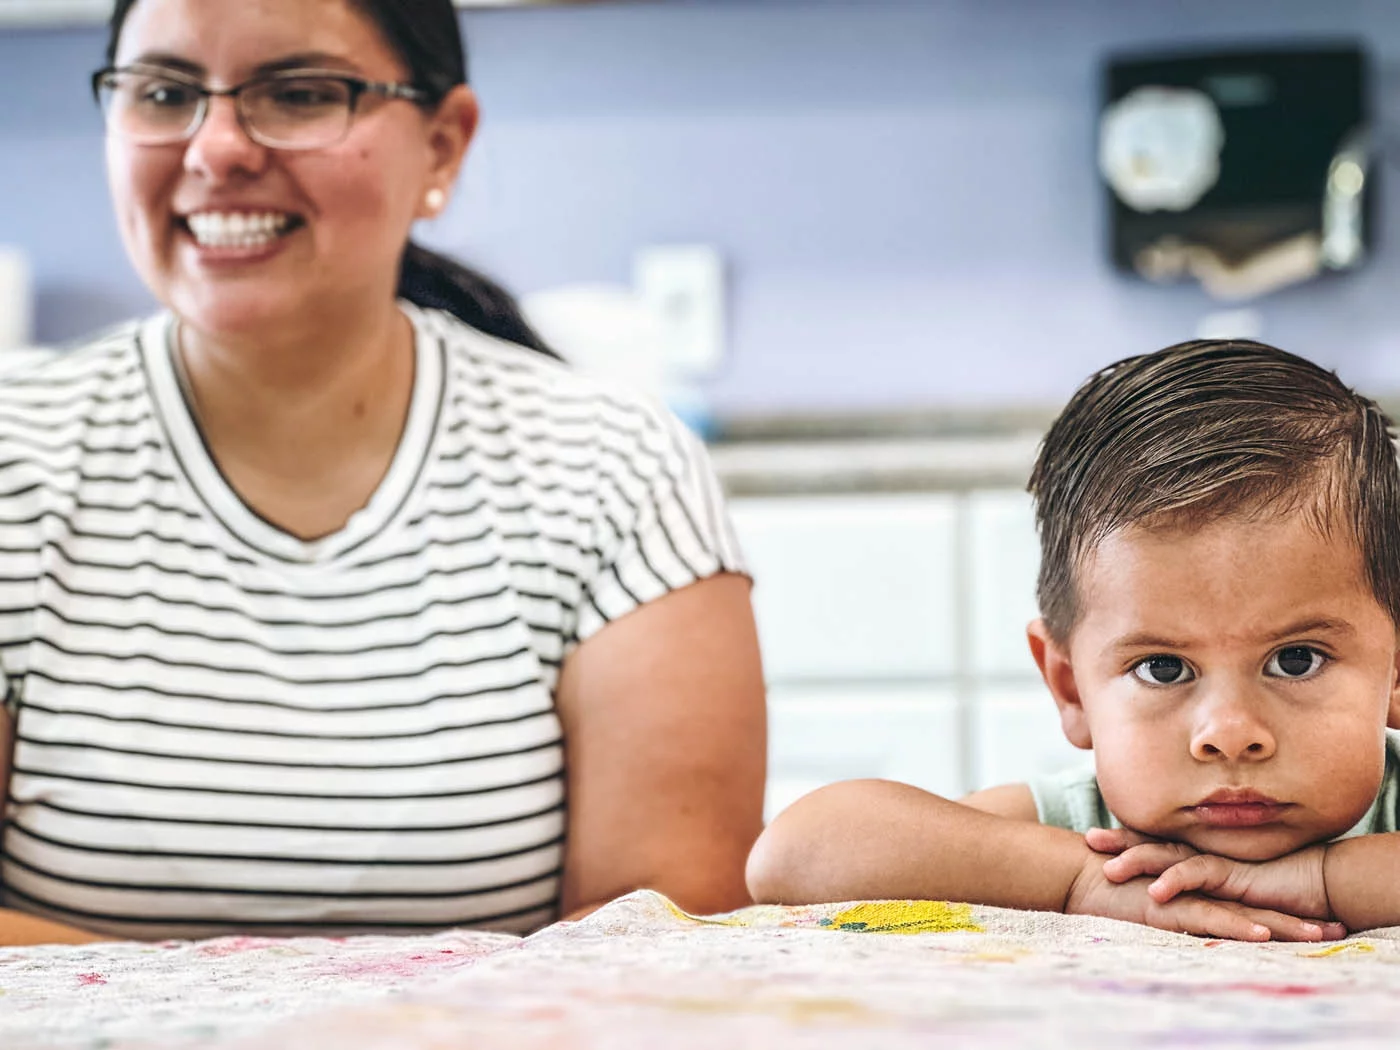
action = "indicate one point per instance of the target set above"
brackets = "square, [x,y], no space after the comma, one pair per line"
[902,917]
[1359,947]
[906,917]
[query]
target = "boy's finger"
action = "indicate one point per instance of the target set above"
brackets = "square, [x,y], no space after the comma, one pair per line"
[1207,918]
[1289,927]
[1106,840]
[1114,840]
[1152,859]
[1198,872]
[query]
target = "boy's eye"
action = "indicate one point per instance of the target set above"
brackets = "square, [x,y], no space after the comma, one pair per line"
[1296,661]
[1163,670]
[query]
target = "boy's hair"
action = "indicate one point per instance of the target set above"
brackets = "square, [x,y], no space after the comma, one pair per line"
[1206,430]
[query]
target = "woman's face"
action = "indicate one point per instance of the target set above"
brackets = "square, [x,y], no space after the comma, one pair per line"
[323,230]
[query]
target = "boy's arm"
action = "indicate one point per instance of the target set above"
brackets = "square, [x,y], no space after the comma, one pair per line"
[1354,881]
[1013,801]
[1362,880]
[867,839]
[874,839]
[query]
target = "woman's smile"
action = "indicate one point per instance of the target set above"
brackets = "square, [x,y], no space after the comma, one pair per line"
[222,237]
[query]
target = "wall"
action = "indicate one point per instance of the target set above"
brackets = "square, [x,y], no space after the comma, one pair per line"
[904,188]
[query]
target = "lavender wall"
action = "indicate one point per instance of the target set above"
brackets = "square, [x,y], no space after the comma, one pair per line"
[903,188]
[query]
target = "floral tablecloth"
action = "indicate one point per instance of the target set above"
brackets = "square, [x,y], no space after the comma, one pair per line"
[641,974]
[95,996]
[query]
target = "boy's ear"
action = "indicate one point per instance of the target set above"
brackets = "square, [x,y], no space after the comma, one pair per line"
[1393,718]
[1053,660]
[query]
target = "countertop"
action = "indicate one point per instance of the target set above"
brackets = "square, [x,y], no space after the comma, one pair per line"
[936,450]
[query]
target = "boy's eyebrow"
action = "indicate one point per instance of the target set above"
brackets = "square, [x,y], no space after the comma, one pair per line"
[1148,641]
[1315,625]
[1320,624]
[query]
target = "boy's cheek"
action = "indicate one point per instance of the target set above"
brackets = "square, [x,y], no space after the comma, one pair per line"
[1136,787]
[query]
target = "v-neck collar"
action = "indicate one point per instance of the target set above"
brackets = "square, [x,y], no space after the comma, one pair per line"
[245,525]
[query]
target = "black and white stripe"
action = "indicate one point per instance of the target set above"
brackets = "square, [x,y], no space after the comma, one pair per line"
[220,726]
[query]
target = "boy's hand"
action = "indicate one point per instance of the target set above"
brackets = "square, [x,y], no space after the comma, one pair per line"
[1182,910]
[1293,883]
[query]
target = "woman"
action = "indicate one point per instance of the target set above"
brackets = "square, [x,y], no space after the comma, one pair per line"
[317,604]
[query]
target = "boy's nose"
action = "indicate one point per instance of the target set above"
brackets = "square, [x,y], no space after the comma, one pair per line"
[1230,730]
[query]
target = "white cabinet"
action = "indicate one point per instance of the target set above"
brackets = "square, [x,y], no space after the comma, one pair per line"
[852,588]
[1015,735]
[819,734]
[893,631]
[1004,555]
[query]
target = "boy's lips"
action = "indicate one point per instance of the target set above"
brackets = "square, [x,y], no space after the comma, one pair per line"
[1238,808]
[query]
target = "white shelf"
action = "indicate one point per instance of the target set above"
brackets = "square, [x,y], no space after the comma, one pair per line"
[53,13]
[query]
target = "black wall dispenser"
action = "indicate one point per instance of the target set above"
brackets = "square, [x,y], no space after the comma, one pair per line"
[1248,170]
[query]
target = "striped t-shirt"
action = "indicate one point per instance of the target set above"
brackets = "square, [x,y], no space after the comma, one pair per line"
[220,726]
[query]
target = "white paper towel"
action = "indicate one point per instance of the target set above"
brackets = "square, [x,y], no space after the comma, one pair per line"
[603,330]
[16,300]
[610,331]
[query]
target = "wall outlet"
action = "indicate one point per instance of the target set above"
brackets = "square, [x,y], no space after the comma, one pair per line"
[1231,324]
[683,285]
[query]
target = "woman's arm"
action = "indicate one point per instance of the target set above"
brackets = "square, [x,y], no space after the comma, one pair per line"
[16,928]
[19,930]
[666,738]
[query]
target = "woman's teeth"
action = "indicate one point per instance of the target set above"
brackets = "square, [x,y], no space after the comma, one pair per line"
[237,230]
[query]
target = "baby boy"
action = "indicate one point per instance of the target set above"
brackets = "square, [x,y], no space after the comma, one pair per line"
[1219,595]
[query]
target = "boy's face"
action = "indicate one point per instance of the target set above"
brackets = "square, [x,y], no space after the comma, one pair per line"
[1234,681]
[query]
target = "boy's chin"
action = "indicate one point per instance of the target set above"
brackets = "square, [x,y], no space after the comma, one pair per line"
[1250,844]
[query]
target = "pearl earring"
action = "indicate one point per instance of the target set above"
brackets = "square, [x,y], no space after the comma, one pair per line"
[435,199]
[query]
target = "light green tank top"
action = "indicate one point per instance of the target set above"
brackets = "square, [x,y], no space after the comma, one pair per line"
[1071,799]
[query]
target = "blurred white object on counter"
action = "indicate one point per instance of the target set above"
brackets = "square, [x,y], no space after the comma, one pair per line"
[16,300]
[612,332]
[603,330]
[684,285]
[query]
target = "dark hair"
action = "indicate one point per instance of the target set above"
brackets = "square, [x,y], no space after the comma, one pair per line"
[1206,430]
[427,37]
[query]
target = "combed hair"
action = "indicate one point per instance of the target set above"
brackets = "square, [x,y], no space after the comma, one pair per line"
[1207,430]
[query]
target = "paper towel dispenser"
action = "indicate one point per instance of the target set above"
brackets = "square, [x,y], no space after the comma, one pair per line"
[1248,170]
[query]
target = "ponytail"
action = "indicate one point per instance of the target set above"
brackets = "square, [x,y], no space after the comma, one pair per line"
[437,282]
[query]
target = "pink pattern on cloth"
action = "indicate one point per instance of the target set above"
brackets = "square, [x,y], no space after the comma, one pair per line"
[641,974]
[233,945]
[105,994]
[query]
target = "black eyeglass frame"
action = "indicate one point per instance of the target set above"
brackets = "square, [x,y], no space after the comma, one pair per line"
[357,86]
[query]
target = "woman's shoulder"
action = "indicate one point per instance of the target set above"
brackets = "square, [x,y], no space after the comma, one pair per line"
[65,377]
[53,404]
[49,395]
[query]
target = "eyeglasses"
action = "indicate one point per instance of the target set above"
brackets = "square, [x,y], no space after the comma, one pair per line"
[296,110]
